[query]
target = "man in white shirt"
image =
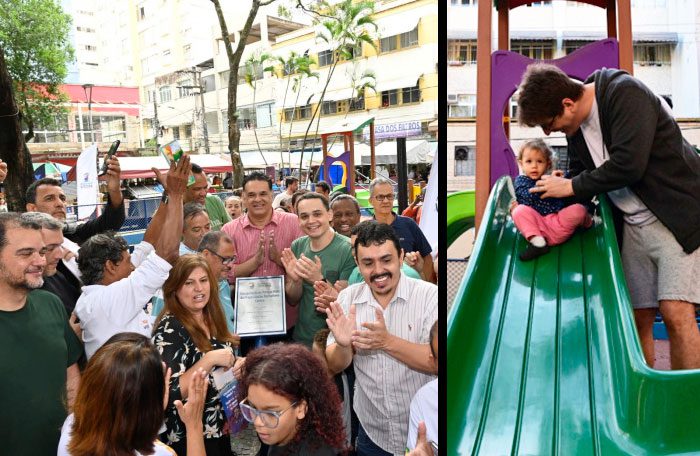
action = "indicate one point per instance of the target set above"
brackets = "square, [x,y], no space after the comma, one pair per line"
[383,326]
[118,285]
[292,184]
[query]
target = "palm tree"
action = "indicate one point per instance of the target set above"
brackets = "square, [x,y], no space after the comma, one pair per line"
[344,26]
[253,65]
[295,68]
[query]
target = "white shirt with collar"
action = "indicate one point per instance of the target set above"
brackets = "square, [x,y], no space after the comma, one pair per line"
[384,386]
[105,310]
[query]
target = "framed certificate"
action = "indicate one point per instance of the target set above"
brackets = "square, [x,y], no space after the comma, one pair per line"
[260,306]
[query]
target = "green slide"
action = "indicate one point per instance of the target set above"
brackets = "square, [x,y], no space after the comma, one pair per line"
[544,357]
[460,214]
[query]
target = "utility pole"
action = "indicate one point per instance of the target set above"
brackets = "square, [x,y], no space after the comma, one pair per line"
[204,120]
[156,125]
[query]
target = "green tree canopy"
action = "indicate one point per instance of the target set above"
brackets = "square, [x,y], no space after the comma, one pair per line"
[35,37]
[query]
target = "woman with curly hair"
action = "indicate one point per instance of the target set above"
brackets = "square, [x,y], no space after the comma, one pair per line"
[190,334]
[287,395]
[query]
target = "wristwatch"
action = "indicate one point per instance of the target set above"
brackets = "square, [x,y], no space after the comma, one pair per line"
[164,197]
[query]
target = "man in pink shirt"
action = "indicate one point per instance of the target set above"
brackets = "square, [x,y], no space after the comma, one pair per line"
[261,235]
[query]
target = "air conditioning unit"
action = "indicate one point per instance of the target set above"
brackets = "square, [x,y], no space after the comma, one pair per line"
[452,97]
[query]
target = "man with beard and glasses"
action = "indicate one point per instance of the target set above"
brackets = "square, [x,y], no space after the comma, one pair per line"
[38,349]
[383,327]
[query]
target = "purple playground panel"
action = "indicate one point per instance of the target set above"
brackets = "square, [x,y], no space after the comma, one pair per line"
[507,69]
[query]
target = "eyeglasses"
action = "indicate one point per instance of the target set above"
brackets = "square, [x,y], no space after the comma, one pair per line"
[387,197]
[225,260]
[270,419]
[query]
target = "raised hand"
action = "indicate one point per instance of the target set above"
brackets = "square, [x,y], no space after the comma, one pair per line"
[260,253]
[423,447]
[341,325]
[310,270]
[374,337]
[191,412]
[176,180]
[324,294]
[272,251]
[414,260]
[289,261]
[113,173]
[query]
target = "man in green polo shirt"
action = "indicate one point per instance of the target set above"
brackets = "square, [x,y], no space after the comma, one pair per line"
[322,254]
[38,349]
[197,191]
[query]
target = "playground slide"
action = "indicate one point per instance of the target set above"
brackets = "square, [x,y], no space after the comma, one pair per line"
[544,357]
[460,214]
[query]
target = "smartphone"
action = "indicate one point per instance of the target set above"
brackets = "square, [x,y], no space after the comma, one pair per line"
[112,150]
[172,151]
[435,447]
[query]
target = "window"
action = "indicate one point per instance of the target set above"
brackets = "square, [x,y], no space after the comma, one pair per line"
[165,94]
[461,105]
[176,132]
[325,58]
[256,71]
[464,161]
[329,107]
[89,47]
[208,83]
[400,41]
[264,115]
[463,2]
[572,45]
[461,51]
[410,94]
[104,127]
[537,50]
[409,39]
[56,131]
[142,13]
[258,116]
[184,88]
[223,78]
[357,104]
[188,131]
[390,98]
[298,113]
[652,54]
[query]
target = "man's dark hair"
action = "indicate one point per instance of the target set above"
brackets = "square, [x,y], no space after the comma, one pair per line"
[309,196]
[344,197]
[196,169]
[30,195]
[191,209]
[296,195]
[94,254]
[10,220]
[289,180]
[371,232]
[542,90]
[257,176]
[324,185]
[211,241]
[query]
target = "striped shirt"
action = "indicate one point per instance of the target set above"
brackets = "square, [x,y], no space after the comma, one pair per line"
[384,385]
[246,237]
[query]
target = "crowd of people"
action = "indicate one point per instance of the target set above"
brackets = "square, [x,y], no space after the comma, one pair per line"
[114,349]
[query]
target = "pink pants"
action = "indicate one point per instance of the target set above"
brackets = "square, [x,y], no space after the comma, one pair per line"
[554,228]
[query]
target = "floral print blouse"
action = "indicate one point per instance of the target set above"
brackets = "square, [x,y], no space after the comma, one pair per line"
[179,353]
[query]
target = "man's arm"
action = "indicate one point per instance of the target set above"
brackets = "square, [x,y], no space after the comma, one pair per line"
[168,240]
[339,350]
[114,213]
[72,383]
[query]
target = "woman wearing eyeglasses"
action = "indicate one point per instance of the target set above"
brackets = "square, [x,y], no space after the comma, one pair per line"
[287,395]
[191,333]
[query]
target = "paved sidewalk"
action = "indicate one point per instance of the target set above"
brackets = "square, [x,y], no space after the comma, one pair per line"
[246,442]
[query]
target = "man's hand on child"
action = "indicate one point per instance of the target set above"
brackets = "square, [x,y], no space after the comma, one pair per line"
[553,187]
[558,173]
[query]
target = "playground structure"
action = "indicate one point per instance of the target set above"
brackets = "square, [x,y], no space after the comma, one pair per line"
[544,357]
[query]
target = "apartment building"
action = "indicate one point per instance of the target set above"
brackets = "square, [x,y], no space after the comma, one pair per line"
[666,57]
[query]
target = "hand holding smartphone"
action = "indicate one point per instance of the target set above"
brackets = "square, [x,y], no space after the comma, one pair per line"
[110,153]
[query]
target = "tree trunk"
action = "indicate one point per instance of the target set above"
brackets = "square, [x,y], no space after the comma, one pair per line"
[13,149]
[234,61]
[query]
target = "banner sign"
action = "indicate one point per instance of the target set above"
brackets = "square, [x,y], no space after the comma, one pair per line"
[86,182]
[429,219]
[397,130]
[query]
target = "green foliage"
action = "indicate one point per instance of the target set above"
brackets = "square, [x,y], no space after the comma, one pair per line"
[34,36]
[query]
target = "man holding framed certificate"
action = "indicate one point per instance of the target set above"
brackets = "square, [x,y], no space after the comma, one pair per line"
[321,255]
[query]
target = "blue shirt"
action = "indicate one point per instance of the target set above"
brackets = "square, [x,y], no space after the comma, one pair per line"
[410,236]
[544,206]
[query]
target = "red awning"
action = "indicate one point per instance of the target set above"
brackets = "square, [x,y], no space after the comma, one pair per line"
[102,94]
